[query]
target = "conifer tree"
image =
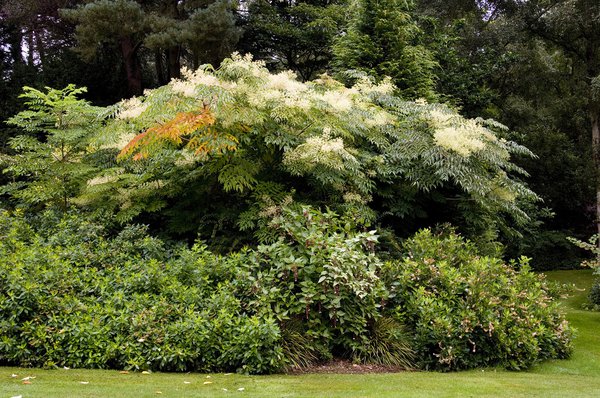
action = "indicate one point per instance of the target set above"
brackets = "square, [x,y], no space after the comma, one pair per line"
[382,39]
[293,35]
[204,31]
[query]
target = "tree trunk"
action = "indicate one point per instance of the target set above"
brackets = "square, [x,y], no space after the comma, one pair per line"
[39,46]
[14,40]
[133,68]
[595,119]
[31,48]
[160,71]
[173,53]
[174,62]
[195,58]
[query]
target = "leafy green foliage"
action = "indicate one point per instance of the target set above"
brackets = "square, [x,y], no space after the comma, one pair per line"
[128,302]
[383,39]
[591,246]
[322,272]
[49,167]
[594,296]
[132,301]
[359,150]
[292,35]
[210,142]
[469,311]
[173,131]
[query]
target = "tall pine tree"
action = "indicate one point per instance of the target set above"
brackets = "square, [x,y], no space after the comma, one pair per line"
[382,39]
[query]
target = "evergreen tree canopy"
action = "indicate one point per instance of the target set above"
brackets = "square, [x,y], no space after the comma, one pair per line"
[205,32]
[293,35]
[383,39]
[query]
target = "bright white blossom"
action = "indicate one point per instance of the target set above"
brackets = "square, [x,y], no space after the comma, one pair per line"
[192,79]
[464,139]
[260,99]
[366,86]
[286,81]
[439,119]
[321,149]
[131,108]
[458,134]
[297,102]
[245,62]
[183,87]
[338,100]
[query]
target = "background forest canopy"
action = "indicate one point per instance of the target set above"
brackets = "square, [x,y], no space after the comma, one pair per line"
[486,60]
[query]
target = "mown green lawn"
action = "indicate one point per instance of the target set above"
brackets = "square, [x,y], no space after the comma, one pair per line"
[576,377]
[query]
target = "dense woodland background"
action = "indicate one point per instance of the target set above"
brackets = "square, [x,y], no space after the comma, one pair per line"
[533,66]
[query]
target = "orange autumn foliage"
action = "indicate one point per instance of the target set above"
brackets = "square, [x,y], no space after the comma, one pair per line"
[192,128]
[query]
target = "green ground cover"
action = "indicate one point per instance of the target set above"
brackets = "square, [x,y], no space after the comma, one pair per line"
[576,377]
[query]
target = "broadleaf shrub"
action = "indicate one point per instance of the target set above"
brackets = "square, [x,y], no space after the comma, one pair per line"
[592,246]
[85,300]
[73,295]
[469,311]
[321,278]
[594,296]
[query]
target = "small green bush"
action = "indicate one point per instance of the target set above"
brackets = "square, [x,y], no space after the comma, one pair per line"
[591,246]
[468,311]
[320,279]
[594,296]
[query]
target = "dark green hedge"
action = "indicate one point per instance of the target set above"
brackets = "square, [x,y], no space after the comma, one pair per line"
[70,295]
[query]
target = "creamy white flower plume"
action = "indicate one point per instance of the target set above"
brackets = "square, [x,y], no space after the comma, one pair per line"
[131,108]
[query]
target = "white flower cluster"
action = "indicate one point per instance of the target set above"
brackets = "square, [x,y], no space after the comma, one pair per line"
[287,82]
[339,100]
[192,79]
[245,63]
[183,87]
[297,102]
[439,119]
[321,149]
[366,86]
[380,118]
[457,134]
[131,108]
[458,139]
[503,194]
[283,89]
